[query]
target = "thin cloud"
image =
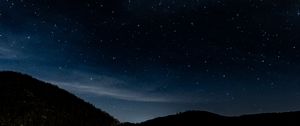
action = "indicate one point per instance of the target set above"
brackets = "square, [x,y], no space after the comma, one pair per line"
[6,53]
[102,85]
[122,94]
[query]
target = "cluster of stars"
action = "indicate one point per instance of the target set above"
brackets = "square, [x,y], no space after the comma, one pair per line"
[221,47]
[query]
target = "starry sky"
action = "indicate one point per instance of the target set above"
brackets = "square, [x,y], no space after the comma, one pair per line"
[140,59]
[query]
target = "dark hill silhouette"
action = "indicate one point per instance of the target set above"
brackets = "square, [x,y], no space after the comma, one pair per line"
[190,118]
[26,101]
[200,118]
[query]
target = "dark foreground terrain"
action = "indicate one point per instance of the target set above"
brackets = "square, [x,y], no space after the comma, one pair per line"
[26,101]
[198,118]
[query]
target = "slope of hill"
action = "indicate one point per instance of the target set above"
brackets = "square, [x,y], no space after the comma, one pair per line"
[189,118]
[26,101]
[200,118]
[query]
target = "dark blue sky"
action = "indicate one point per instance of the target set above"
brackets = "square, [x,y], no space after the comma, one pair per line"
[139,59]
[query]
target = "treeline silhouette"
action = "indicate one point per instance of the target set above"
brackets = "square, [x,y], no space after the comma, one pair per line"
[26,101]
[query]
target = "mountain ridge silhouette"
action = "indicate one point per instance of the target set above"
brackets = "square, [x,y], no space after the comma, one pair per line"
[203,118]
[26,101]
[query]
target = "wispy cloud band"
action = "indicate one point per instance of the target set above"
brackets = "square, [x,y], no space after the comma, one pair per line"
[6,53]
[122,94]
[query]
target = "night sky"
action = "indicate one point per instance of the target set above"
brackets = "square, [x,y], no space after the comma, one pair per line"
[140,59]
